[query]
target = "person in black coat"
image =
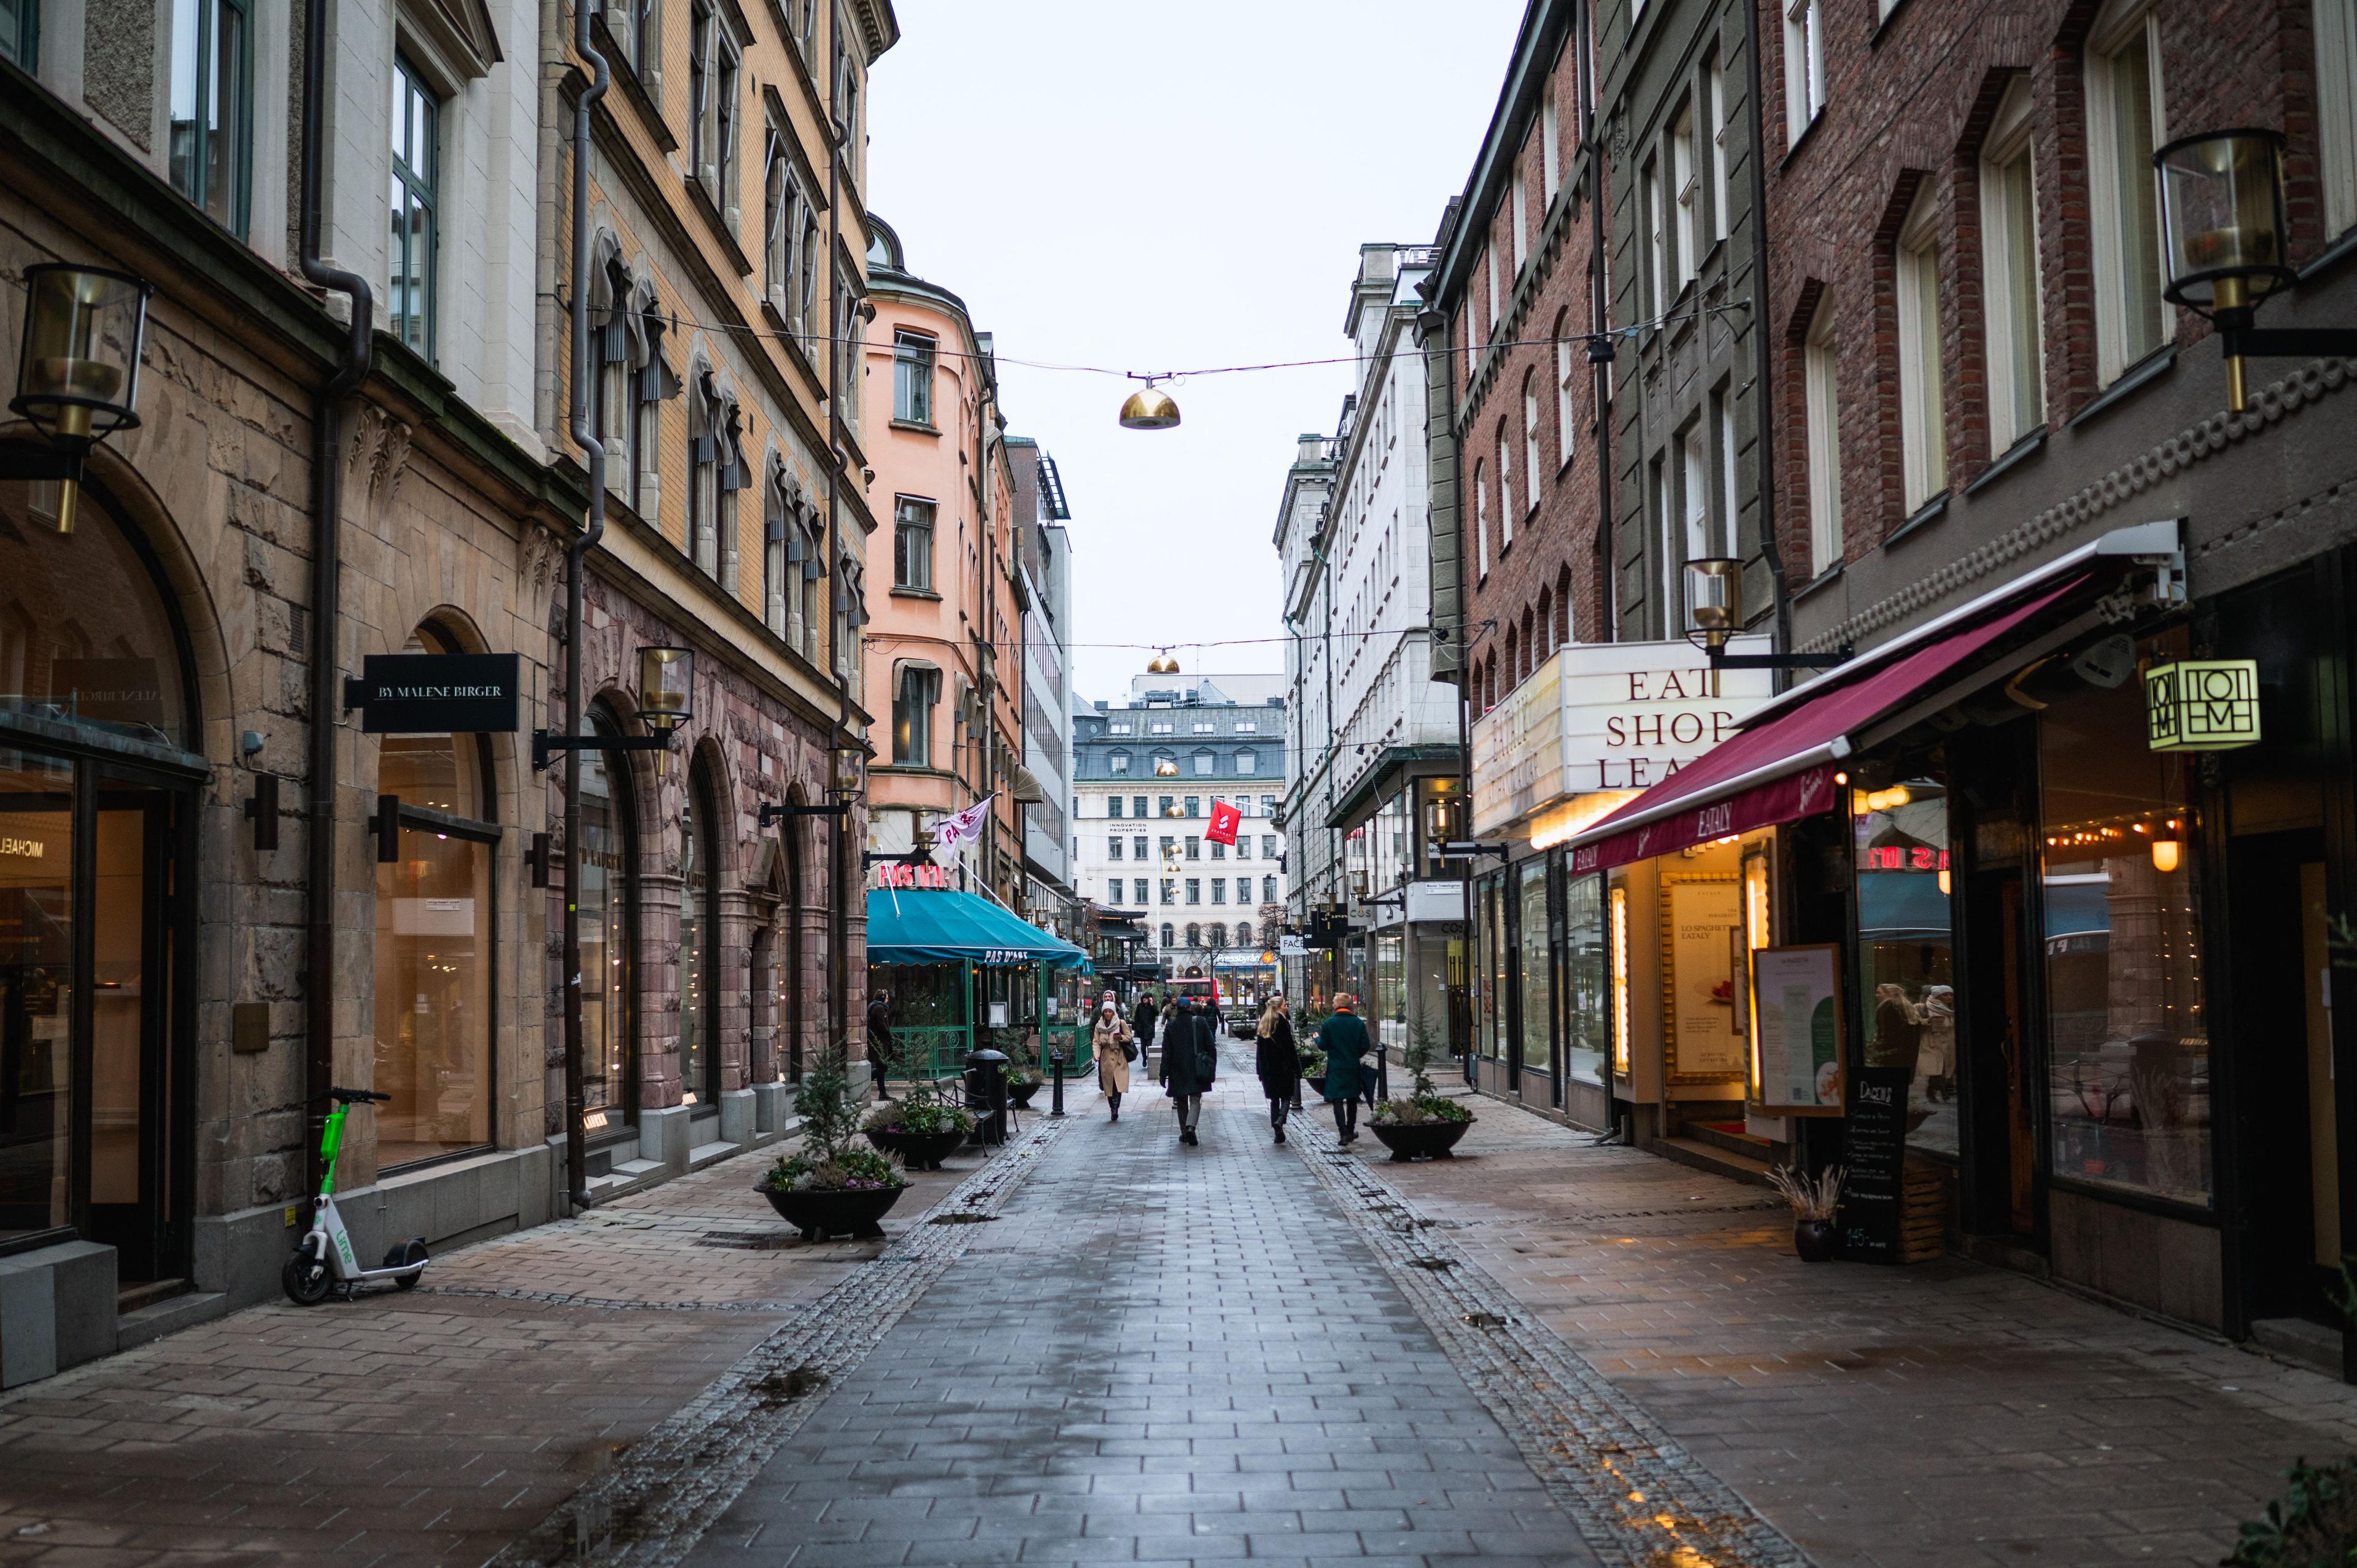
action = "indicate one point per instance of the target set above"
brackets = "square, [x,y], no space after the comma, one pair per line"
[1141,1022]
[1190,1060]
[879,1040]
[1277,1060]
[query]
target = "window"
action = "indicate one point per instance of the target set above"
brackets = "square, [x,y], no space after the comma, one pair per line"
[1119,727]
[1113,807]
[1194,847]
[1112,847]
[2125,122]
[700,29]
[1203,767]
[1533,464]
[1244,846]
[777,529]
[1243,927]
[1565,436]
[1268,846]
[915,689]
[1480,521]
[1137,805]
[434,946]
[1219,893]
[409,302]
[1166,802]
[1246,762]
[1722,137]
[1204,727]
[1268,805]
[1194,895]
[1694,477]
[210,148]
[1522,221]
[701,857]
[1805,67]
[1686,172]
[1137,849]
[1137,892]
[2011,301]
[646,36]
[1649,213]
[1168,933]
[1497,300]
[1247,727]
[609,908]
[1160,726]
[781,222]
[1922,410]
[806,251]
[912,378]
[1195,803]
[1505,491]
[1730,510]
[1169,895]
[1823,414]
[1550,155]
[1268,889]
[2336,103]
[19,30]
[912,544]
[712,110]
[1219,850]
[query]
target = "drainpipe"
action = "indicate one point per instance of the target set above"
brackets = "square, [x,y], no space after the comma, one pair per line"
[327,573]
[593,528]
[1599,319]
[838,926]
[1771,547]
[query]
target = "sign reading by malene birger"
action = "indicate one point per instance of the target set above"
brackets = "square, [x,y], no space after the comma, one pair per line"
[428,693]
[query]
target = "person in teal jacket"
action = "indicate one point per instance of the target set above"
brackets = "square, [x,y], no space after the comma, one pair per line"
[1343,1038]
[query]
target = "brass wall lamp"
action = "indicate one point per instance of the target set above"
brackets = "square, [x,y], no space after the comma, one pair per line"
[78,374]
[666,701]
[1714,613]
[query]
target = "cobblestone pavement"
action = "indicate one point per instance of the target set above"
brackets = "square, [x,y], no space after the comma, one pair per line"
[1945,1414]
[430,1426]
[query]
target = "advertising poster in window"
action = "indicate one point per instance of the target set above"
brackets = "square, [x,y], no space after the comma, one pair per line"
[1699,982]
[1796,997]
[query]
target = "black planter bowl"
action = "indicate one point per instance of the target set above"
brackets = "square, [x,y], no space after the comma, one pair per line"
[1420,1140]
[1813,1241]
[919,1151]
[1317,1082]
[853,1212]
[1019,1094]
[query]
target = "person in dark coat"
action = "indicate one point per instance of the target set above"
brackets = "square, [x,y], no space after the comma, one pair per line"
[1141,1022]
[1343,1038]
[1277,1060]
[879,1040]
[1190,1059]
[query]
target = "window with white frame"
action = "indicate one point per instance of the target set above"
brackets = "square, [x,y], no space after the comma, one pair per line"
[1730,510]
[777,527]
[2125,122]
[780,220]
[712,76]
[912,378]
[1805,67]
[1722,153]
[1685,173]
[1505,489]
[1533,464]
[1922,410]
[1563,373]
[1481,522]
[1823,414]
[2011,298]
[912,544]
[1550,155]
[1497,300]
[2335,112]
[1649,207]
[1522,222]
[915,691]
[1694,461]
[1205,764]
[416,177]
[1118,763]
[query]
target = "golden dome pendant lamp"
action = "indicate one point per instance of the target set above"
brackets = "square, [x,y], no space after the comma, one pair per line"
[1149,407]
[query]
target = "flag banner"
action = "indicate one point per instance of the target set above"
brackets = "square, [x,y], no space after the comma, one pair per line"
[953,833]
[1224,817]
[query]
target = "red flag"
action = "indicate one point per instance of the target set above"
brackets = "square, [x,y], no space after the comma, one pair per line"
[1224,819]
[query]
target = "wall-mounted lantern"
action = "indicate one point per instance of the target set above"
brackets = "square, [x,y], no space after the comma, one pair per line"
[2227,246]
[78,376]
[1714,613]
[666,701]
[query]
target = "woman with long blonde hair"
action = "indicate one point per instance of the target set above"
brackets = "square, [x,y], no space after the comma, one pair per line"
[1278,1063]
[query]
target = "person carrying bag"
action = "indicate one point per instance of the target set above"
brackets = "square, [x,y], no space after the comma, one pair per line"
[1115,1047]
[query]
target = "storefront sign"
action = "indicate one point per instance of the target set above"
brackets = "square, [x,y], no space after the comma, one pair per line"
[2202,705]
[1785,799]
[432,693]
[1875,1150]
[1292,946]
[1606,715]
[1698,984]
[901,874]
[1796,999]
[1435,902]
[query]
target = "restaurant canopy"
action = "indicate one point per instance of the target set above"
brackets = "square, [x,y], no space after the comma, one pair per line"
[1782,766]
[941,926]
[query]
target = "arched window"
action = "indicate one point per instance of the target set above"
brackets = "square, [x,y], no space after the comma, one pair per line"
[1168,934]
[1219,936]
[1534,462]
[1194,936]
[1480,521]
[1513,660]
[1530,653]
[1562,605]
[434,943]
[1246,762]
[610,903]
[1565,436]
[1505,489]
[1244,933]
[1546,623]
[699,943]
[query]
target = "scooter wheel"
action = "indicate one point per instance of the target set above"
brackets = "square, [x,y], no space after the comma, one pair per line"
[305,1279]
[402,1256]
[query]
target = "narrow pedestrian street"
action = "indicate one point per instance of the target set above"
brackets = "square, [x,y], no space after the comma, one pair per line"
[1098,1346]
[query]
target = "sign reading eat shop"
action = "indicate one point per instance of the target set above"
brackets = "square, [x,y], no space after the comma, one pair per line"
[1606,715]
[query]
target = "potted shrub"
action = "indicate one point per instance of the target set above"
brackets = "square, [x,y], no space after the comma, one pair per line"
[1428,1123]
[924,1129]
[828,1188]
[1023,1074]
[1814,1201]
[1313,1069]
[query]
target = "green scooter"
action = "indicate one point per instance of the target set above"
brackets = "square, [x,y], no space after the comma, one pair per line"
[323,1260]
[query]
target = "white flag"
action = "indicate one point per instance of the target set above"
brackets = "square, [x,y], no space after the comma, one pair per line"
[959,829]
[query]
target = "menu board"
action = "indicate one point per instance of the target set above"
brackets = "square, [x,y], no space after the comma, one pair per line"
[1705,1042]
[1875,1150]
[1796,991]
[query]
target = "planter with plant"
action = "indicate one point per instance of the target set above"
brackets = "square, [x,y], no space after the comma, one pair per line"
[924,1129]
[1425,1124]
[1814,1201]
[1313,1067]
[827,1188]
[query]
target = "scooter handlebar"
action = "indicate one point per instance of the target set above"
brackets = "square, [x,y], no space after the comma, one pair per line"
[352,1096]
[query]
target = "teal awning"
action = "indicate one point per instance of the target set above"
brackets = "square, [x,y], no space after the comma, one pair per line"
[907,925]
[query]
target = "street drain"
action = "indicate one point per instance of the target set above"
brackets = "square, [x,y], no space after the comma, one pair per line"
[780,1389]
[963,1219]
[1435,1264]
[746,1241]
[1485,1320]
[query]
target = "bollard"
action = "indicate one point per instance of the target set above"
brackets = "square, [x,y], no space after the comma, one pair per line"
[1055,1065]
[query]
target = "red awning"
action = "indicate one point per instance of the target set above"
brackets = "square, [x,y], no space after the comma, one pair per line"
[1784,769]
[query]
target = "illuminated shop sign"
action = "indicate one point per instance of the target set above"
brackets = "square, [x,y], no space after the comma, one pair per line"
[2202,705]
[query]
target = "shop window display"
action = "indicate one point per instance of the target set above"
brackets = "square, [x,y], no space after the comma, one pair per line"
[1536,976]
[1391,990]
[1491,938]
[2127,1040]
[1905,973]
[1587,1003]
[608,884]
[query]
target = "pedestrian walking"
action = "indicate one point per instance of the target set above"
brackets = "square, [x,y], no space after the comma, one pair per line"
[1190,1060]
[1277,1060]
[1142,1021]
[1343,1038]
[1116,1047]
[880,1052]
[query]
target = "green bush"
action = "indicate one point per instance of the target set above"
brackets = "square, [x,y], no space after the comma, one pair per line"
[924,1108]
[825,1163]
[2315,1525]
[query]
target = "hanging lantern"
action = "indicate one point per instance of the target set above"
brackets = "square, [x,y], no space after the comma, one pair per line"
[1713,600]
[666,687]
[2222,231]
[78,378]
[1149,408]
[1162,663]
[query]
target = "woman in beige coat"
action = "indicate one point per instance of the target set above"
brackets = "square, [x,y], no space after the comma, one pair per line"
[1111,1044]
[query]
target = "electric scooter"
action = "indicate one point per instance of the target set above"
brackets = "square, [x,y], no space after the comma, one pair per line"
[323,1262]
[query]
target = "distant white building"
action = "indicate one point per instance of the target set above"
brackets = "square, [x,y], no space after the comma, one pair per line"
[1147,772]
[1374,784]
[1043,585]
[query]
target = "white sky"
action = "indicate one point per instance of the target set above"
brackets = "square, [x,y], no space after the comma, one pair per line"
[1157,187]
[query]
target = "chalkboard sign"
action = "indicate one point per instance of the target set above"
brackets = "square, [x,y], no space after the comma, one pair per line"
[1877,1157]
